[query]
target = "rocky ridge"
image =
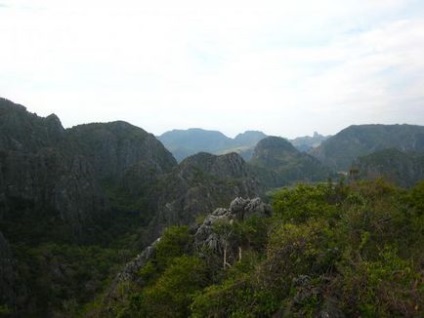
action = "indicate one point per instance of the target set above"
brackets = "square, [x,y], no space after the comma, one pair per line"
[204,234]
[200,183]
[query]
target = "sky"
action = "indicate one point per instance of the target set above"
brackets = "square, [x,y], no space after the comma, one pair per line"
[287,68]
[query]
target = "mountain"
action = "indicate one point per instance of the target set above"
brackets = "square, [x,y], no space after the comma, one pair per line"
[93,193]
[279,163]
[183,143]
[402,168]
[80,208]
[40,180]
[340,150]
[67,195]
[306,143]
[200,183]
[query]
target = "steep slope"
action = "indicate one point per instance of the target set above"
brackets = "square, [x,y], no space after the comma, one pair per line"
[340,150]
[346,250]
[116,147]
[279,163]
[401,168]
[200,183]
[71,203]
[37,178]
[127,160]
[24,131]
[183,143]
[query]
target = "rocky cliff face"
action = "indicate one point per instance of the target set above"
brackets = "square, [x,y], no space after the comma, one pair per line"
[202,182]
[279,163]
[23,131]
[47,168]
[117,147]
[39,181]
[32,184]
[125,158]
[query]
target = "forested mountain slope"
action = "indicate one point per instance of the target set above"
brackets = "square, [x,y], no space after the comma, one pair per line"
[340,150]
[279,163]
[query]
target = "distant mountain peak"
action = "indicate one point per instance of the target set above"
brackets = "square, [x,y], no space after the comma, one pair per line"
[184,143]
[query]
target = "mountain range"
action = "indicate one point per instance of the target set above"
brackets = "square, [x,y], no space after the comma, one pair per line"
[106,191]
[183,143]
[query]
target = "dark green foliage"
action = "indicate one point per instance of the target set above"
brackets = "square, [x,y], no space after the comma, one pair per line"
[173,292]
[175,242]
[304,202]
[403,168]
[279,163]
[341,150]
[328,250]
[63,277]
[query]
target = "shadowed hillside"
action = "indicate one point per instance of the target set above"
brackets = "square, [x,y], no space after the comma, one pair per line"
[342,149]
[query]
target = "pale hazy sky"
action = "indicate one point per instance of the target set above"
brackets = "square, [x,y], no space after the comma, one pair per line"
[288,68]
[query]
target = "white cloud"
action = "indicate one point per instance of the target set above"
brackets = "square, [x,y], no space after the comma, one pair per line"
[284,67]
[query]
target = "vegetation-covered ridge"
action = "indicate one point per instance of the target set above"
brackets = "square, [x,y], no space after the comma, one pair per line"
[326,251]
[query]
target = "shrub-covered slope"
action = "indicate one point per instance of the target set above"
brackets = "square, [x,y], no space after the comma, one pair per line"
[327,251]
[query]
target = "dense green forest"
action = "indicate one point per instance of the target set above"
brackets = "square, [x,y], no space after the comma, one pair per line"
[328,250]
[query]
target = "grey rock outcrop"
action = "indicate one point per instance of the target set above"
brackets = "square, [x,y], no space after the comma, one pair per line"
[199,184]
[42,181]
[239,209]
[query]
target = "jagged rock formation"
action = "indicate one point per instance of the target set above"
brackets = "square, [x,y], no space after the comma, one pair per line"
[401,168]
[118,148]
[202,182]
[37,179]
[342,149]
[23,131]
[279,163]
[239,209]
[125,158]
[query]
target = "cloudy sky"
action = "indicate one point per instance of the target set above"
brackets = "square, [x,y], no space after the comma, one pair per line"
[288,68]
